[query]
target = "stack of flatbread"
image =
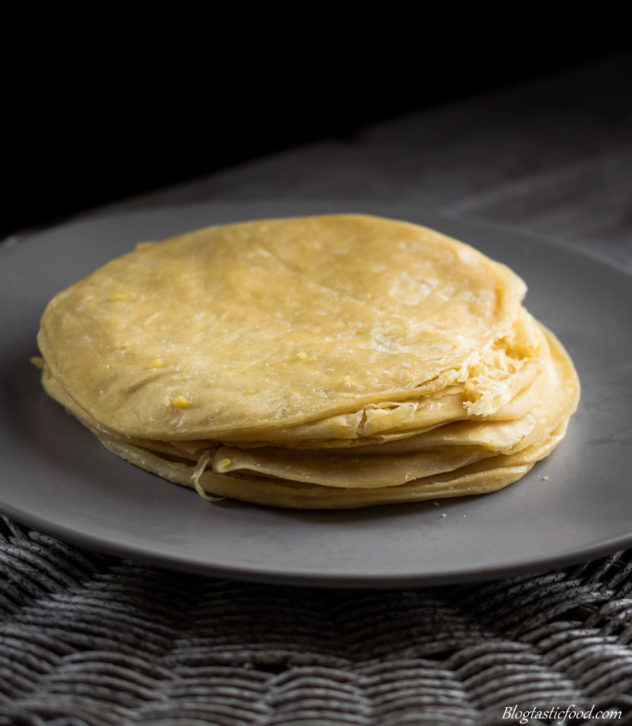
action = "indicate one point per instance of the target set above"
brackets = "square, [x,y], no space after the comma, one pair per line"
[319,362]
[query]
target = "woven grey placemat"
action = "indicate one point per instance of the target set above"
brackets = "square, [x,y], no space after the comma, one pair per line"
[90,639]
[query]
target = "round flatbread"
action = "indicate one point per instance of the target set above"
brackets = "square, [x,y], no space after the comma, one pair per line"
[336,361]
[266,325]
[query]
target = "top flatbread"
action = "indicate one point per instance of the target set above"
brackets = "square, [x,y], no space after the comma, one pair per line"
[266,325]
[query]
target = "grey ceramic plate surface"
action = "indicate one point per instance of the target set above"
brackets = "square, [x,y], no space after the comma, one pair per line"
[57,478]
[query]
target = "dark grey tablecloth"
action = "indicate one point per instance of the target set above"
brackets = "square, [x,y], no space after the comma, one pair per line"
[89,639]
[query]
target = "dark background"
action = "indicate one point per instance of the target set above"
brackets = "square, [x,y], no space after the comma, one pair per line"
[81,134]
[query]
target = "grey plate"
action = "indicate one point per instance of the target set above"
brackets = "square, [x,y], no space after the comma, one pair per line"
[56,477]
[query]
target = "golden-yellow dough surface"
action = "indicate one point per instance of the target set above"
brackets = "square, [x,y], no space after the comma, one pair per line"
[271,324]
